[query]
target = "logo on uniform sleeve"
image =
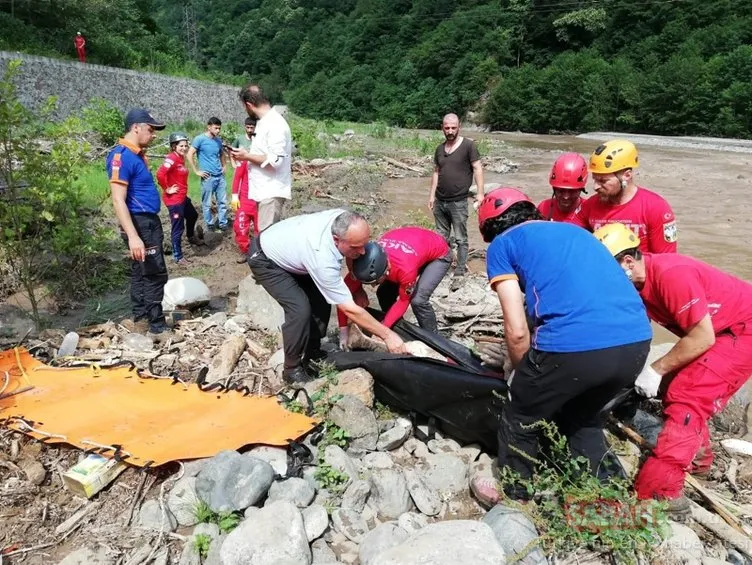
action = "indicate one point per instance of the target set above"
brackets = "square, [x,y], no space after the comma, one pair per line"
[669,232]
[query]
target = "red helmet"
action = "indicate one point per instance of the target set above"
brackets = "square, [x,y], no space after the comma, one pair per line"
[498,201]
[569,171]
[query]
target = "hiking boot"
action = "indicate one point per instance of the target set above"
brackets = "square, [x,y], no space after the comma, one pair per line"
[486,490]
[136,326]
[163,334]
[297,375]
[182,262]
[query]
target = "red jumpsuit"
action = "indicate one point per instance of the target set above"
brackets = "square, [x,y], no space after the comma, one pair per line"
[79,42]
[679,291]
[409,250]
[647,214]
[247,213]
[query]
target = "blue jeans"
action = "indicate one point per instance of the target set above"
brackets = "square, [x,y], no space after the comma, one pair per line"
[217,186]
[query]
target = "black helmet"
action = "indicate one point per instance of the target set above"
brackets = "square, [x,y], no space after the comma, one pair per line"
[371,266]
[177,136]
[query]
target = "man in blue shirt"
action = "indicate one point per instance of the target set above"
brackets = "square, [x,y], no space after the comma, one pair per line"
[576,331]
[211,169]
[136,202]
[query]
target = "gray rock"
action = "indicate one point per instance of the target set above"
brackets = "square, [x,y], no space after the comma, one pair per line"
[182,501]
[211,530]
[411,522]
[356,495]
[445,473]
[389,493]
[354,382]
[322,553]
[425,497]
[294,490]
[514,532]
[316,521]
[216,319]
[150,516]
[350,523]
[395,436]
[193,468]
[380,539]
[138,342]
[248,512]
[469,453]
[446,543]
[348,552]
[231,481]
[189,555]
[276,361]
[335,457]
[273,535]
[446,446]
[376,460]
[483,467]
[87,556]
[265,312]
[214,557]
[357,420]
[416,447]
[275,456]
[238,324]
[684,544]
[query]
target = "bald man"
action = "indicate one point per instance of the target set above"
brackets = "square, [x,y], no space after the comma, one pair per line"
[456,164]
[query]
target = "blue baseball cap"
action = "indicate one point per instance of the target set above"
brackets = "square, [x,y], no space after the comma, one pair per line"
[141,116]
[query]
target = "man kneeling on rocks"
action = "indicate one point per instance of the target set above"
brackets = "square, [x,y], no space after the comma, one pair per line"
[589,341]
[298,261]
[711,312]
[407,264]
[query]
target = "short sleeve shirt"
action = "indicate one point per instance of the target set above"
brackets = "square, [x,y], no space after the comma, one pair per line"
[550,211]
[647,214]
[455,170]
[126,165]
[576,293]
[680,291]
[208,151]
[304,245]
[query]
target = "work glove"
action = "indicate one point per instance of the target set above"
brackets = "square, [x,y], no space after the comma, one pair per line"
[493,356]
[344,334]
[235,203]
[648,382]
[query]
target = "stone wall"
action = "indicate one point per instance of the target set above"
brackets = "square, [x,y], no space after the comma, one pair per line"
[74,84]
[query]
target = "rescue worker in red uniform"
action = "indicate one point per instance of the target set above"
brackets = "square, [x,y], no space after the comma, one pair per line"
[407,264]
[619,199]
[80,42]
[172,176]
[568,179]
[246,211]
[711,312]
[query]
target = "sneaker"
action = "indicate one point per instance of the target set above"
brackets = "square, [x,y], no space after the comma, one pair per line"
[486,490]
[136,326]
[182,262]
[298,375]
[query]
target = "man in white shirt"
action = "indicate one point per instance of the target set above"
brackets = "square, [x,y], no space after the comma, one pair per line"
[298,261]
[269,158]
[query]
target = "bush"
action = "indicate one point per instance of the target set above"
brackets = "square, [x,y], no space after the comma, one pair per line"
[104,119]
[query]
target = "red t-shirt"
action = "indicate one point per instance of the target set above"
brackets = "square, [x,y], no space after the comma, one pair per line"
[647,214]
[550,211]
[680,290]
[240,181]
[172,171]
[409,249]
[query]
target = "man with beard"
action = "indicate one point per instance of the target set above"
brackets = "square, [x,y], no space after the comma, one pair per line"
[619,199]
[567,179]
[456,164]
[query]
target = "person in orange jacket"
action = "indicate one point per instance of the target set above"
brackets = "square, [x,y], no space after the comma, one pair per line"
[246,211]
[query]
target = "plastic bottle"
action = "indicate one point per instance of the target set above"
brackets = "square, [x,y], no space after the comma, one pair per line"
[68,347]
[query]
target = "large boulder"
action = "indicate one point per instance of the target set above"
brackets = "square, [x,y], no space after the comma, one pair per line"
[515,533]
[272,535]
[446,543]
[265,312]
[354,382]
[357,420]
[230,481]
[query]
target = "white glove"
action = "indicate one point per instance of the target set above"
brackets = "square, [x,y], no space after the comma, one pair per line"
[344,333]
[648,382]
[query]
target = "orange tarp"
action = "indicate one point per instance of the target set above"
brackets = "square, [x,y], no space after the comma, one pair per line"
[152,419]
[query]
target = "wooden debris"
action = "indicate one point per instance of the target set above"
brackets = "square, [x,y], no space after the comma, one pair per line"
[223,364]
[77,516]
[402,165]
[257,350]
[740,540]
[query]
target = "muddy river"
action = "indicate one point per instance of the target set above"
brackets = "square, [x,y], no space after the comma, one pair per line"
[709,190]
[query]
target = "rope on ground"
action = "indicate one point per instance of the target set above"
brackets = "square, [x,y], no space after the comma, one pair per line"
[163,512]
[28,427]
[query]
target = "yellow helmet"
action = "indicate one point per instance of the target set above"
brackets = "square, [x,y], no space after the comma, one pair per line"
[613,156]
[617,238]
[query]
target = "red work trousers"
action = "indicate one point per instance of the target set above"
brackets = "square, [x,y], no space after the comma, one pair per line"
[245,217]
[697,392]
[81,54]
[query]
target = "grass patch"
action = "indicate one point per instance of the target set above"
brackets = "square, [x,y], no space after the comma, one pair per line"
[202,543]
[226,521]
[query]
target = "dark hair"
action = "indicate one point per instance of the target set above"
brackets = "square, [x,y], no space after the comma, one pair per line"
[516,214]
[250,121]
[214,121]
[252,94]
[634,252]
